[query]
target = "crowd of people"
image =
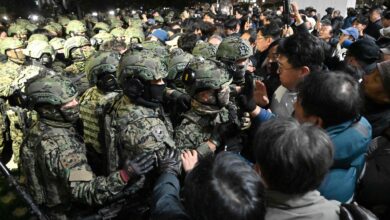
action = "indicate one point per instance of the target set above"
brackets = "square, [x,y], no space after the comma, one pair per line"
[211,112]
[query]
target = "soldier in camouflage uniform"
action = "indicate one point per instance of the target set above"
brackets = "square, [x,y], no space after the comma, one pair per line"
[78,49]
[9,71]
[18,31]
[207,82]
[95,102]
[139,123]
[58,175]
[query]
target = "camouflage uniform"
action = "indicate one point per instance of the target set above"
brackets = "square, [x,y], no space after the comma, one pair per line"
[95,102]
[138,128]
[10,119]
[53,157]
[198,123]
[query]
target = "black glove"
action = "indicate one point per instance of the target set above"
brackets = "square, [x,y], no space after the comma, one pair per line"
[223,132]
[246,100]
[140,165]
[169,161]
[184,102]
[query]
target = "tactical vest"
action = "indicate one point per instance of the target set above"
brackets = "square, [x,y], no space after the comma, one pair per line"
[93,105]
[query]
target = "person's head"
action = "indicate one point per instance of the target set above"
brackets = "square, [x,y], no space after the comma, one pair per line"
[54,98]
[18,31]
[78,48]
[336,13]
[326,31]
[177,62]
[386,19]
[376,85]
[266,35]
[141,74]
[360,23]
[250,36]
[187,42]
[224,187]
[76,28]
[329,11]
[205,50]
[375,13]
[365,60]
[234,52]
[292,158]
[272,58]
[328,99]
[351,12]
[13,49]
[385,53]
[58,46]
[232,26]
[101,68]
[348,36]
[40,52]
[299,55]
[209,17]
[207,82]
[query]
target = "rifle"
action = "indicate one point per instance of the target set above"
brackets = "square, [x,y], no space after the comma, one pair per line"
[286,12]
[22,193]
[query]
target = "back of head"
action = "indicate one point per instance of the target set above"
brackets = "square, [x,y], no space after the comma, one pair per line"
[332,96]
[293,158]
[224,188]
[303,50]
[233,48]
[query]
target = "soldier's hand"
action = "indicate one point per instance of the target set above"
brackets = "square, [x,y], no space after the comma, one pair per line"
[169,161]
[184,101]
[246,100]
[140,165]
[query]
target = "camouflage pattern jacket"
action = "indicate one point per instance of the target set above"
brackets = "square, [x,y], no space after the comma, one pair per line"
[57,171]
[138,129]
[196,129]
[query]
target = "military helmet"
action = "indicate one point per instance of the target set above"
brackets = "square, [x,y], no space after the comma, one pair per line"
[99,63]
[57,43]
[134,33]
[63,20]
[53,90]
[233,49]
[201,74]
[116,23]
[10,43]
[103,37]
[74,42]
[205,50]
[56,26]
[51,29]
[23,22]
[135,23]
[40,37]
[141,64]
[101,26]
[177,62]
[16,29]
[31,27]
[118,32]
[75,26]
[37,48]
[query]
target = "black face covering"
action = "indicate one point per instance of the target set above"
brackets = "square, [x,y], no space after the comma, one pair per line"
[46,60]
[154,93]
[60,57]
[107,83]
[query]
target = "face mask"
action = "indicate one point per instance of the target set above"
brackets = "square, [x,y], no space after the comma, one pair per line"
[71,114]
[347,43]
[60,56]
[107,83]
[46,60]
[155,93]
[237,71]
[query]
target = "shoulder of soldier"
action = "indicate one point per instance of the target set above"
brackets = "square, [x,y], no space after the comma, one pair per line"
[57,138]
